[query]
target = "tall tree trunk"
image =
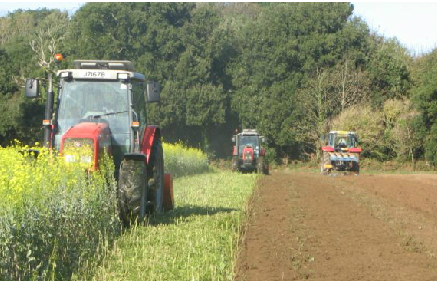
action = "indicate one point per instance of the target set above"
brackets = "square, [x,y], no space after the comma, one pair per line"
[343,82]
[320,109]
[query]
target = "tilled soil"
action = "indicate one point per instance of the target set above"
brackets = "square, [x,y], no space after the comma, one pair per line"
[368,227]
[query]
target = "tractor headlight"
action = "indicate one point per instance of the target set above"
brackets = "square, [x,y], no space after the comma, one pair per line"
[70,158]
[78,150]
[85,159]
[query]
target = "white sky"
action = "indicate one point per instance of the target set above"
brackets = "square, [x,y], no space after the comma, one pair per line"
[6,7]
[413,24]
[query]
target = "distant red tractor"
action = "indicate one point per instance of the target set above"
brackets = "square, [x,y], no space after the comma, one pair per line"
[101,106]
[340,152]
[248,155]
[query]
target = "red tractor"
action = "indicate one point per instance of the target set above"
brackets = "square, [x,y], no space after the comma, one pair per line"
[101,106]
[248,155]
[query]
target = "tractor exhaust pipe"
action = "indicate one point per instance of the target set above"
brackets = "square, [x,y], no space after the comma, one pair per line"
[48,113]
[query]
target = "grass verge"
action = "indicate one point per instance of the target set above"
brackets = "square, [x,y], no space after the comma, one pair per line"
[196,241]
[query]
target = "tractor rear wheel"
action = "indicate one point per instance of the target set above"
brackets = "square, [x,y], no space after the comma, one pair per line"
[262,166]
[265,169]
[356,167]
[234,163]
[132,194]
[259,168]
[155,182]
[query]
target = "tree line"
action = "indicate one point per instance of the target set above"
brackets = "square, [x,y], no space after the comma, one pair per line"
[294,71]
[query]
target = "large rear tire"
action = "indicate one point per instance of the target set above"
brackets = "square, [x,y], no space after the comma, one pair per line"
[132,193]
[356,168]
[266,169]
[259,169]
[155,186]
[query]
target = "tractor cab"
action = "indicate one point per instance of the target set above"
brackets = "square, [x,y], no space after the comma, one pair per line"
[98,92]
[100,98]
[341,140]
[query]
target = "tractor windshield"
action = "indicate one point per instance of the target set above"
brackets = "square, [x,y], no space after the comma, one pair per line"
[248,140]
[85,100]
[344,141]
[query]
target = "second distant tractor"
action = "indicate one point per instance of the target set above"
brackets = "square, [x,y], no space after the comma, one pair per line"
[248,155]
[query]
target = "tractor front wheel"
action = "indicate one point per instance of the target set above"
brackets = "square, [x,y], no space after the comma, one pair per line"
[132,195]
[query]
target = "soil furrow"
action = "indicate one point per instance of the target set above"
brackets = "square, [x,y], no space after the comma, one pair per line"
[307,226]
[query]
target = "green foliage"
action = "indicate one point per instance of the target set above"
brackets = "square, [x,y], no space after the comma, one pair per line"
[283,75]
[389,72]
[286,69]
[425,99]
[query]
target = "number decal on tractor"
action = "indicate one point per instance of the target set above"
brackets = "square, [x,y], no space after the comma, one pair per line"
[95,74]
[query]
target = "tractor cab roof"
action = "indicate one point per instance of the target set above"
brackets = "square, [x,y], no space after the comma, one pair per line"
[249,132]
[102,70]
[104,64]
[344,133]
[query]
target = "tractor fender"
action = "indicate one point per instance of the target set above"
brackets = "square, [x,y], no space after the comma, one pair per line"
[355,150]
[151,133]
[328,149]
[234,151]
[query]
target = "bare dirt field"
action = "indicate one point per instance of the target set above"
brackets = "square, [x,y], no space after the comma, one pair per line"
[368,227]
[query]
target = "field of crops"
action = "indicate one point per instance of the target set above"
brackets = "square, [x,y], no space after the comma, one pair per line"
[56,219]
[181,161]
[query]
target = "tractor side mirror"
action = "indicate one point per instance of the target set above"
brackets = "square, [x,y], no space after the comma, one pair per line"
[263,139]
[233,139]
[32,88]
[153,94]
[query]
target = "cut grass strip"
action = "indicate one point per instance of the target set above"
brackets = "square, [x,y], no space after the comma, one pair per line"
[195,241]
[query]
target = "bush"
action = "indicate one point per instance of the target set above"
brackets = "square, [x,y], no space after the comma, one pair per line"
[181,161]
[368,124]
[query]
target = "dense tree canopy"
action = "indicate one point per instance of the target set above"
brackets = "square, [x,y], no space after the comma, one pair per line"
[291,70]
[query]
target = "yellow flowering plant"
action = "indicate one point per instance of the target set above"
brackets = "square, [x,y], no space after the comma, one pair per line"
[56,216]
